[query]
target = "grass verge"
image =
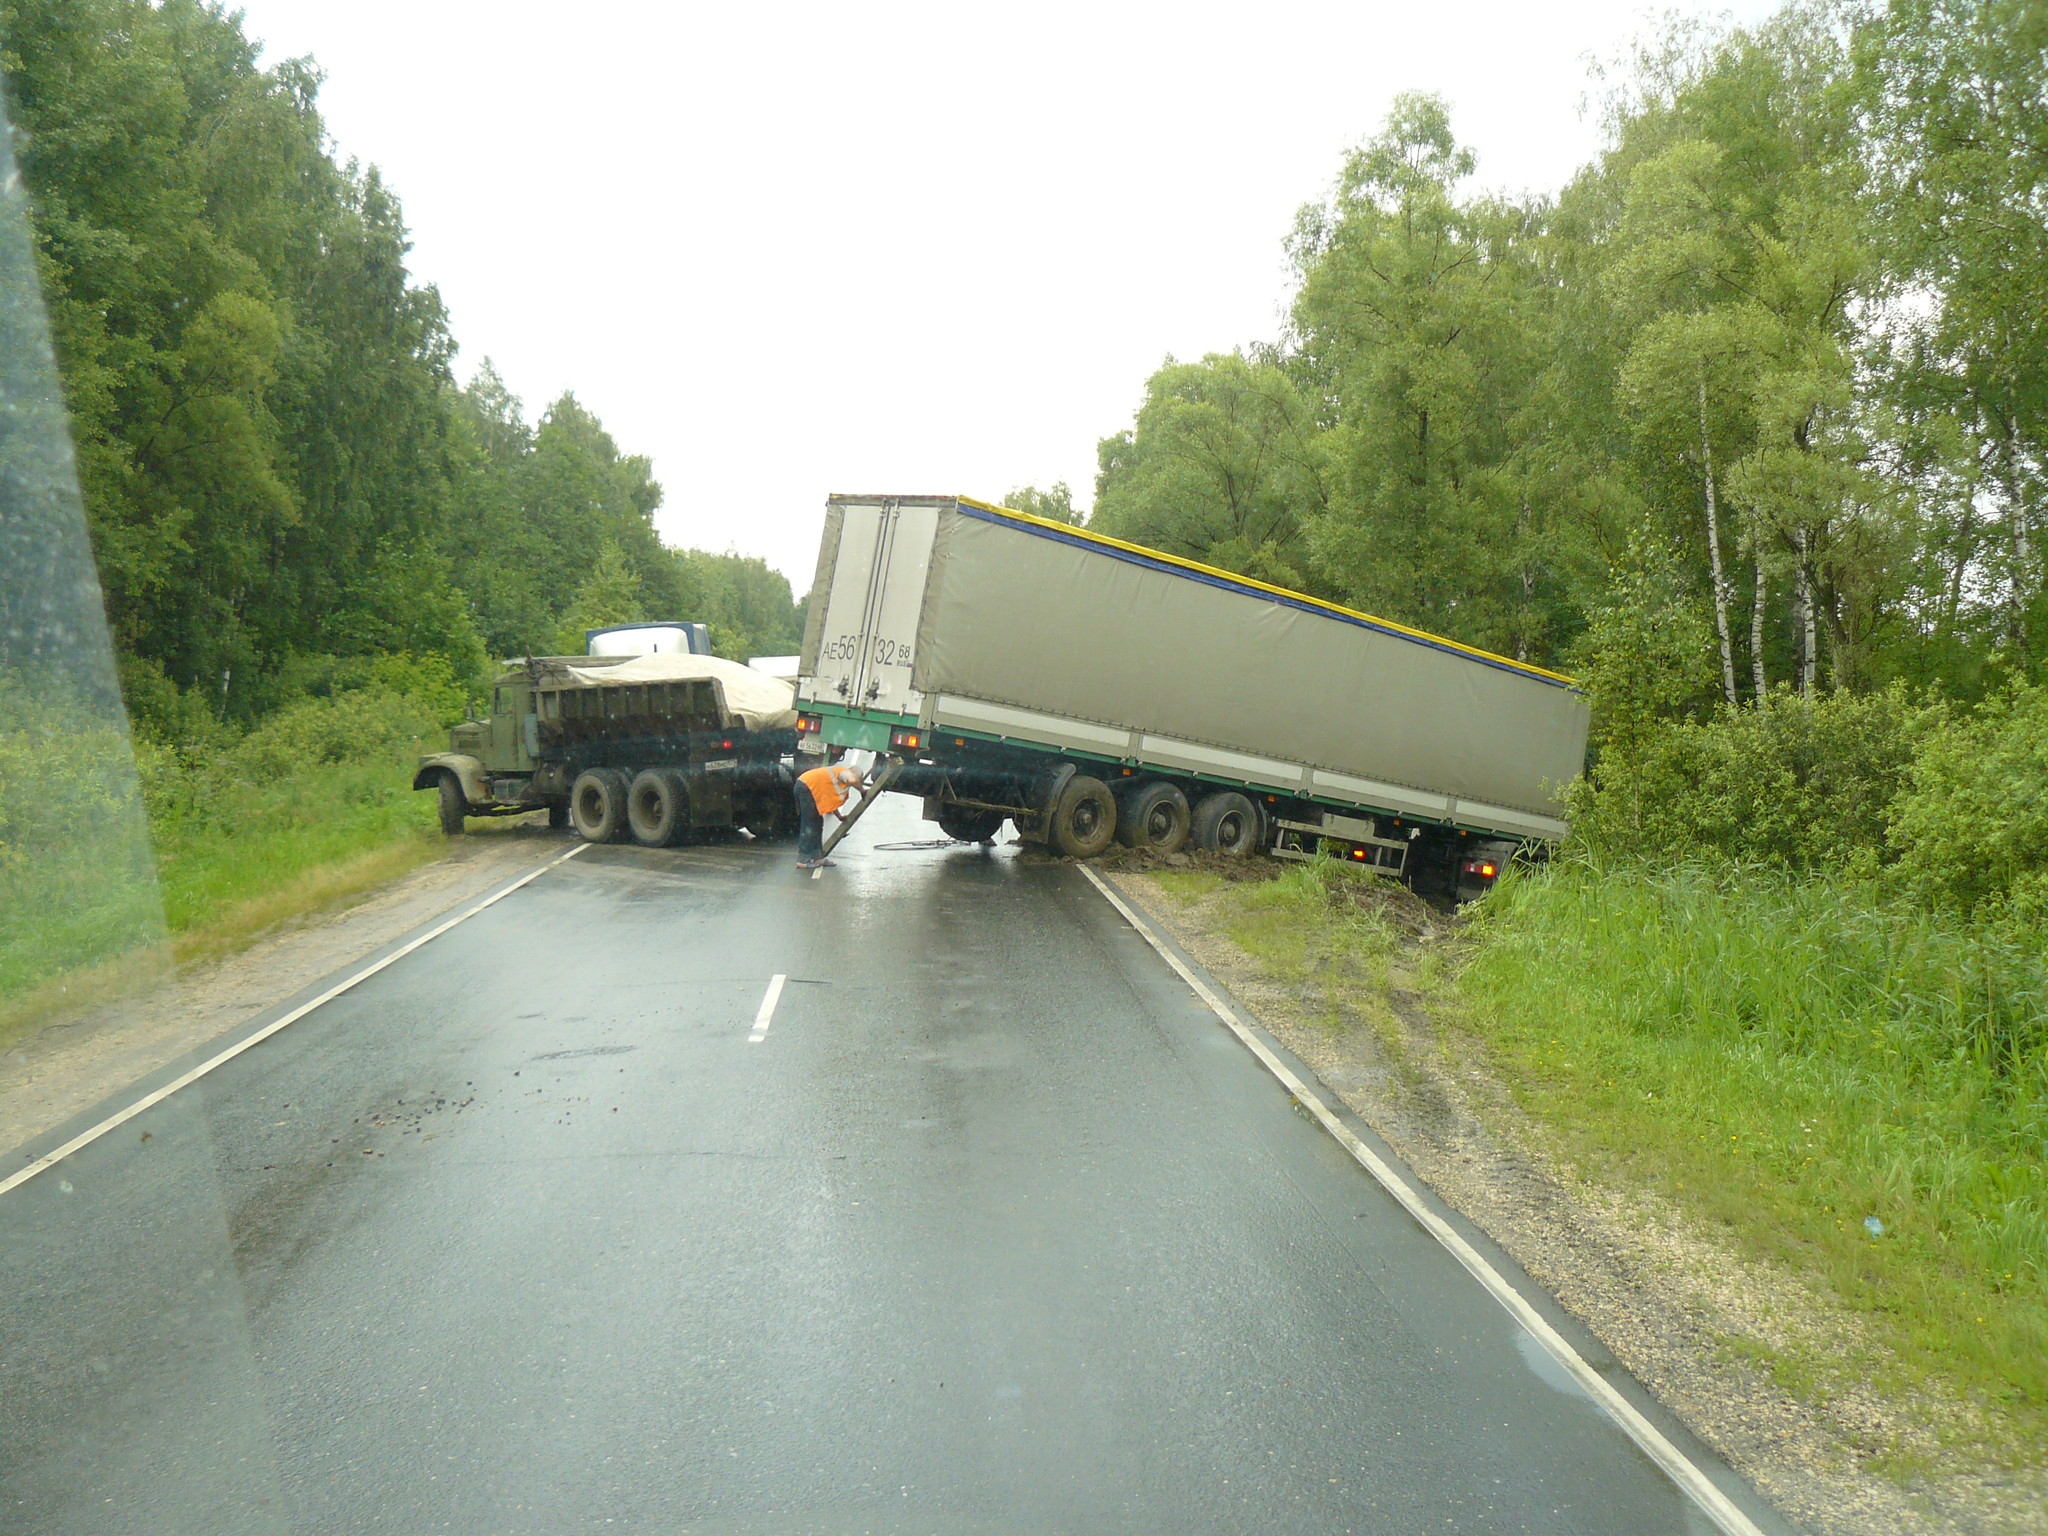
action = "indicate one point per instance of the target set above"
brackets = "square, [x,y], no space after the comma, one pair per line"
[193,852]
[1793,1061]
[1778,1060]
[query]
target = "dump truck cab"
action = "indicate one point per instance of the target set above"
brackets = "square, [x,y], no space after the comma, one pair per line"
[490,766]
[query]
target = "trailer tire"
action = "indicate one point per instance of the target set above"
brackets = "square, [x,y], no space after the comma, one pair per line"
[1227,822]
[1083,817]
[658,807]
[558,815]
[969,826]
[1154,816]
[454,804]
[597,805]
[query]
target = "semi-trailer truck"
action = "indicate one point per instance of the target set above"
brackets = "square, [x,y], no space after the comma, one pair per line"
[655,746]
[1084,689]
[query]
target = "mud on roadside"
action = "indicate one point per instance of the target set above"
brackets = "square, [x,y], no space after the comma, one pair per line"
[1672,1300]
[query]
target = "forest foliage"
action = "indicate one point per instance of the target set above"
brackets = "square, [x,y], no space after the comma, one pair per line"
[282,476]
[1785,333]
[1746,428]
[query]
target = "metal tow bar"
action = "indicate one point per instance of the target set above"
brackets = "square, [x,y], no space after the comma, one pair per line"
[873,793]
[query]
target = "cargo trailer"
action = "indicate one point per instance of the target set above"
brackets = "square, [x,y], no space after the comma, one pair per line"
[1085,689]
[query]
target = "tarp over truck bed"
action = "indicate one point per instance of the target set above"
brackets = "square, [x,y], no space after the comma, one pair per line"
[747,699]
[1036,631]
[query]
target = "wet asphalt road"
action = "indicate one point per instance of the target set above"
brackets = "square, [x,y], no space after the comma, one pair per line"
[996,1230]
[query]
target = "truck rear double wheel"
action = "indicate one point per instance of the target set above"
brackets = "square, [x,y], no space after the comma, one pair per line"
[1227,822]
[597,805]
[658,807]
[1153,816]
[1083,817]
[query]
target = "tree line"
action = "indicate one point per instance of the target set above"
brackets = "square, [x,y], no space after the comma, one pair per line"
[1778,358]
[282,477]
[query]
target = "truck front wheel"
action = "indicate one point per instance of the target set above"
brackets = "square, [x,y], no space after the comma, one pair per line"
[658,806]
[1227,823]
[1083,818]
[454,805]
[1153,816]
[597,805]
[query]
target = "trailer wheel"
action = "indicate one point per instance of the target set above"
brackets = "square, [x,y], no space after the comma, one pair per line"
[597,805]
[558,815]
[1227,823]
[967,826]
[658,807]
[1083,817]
[454,804]
[1153,816]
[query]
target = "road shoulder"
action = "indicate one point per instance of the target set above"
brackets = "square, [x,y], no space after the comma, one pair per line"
[1663,1295]
[72,1061]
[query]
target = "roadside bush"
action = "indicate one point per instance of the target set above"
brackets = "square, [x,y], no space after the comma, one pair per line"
[1797,784]
[101,847]
[321,781]
[1971,828]
[363,725]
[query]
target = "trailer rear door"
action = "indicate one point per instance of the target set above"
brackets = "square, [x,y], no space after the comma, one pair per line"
[865,645]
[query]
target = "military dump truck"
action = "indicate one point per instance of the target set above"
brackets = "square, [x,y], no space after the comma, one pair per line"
[656,747]
[1083,688]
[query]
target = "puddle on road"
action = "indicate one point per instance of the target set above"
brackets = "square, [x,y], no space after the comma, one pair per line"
[1547,1368]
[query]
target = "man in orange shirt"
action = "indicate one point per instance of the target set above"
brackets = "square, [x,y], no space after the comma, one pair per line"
[819,793]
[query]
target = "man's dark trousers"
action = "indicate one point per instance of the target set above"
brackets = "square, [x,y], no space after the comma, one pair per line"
[810,827]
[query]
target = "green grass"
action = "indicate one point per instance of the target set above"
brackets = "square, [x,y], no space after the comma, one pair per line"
[105,875]
[1330,931]
[277,833]
[1785,1059]
[1778,1058]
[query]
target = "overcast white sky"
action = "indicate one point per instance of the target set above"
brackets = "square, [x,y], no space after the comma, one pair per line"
[792,249]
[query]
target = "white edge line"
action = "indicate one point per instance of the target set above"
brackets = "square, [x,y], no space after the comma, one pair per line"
[84,1138]
[1675,1463]
[766,1015]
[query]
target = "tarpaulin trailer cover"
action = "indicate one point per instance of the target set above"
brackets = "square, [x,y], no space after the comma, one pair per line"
[1040,632]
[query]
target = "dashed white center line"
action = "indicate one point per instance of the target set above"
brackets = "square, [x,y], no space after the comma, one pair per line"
[767,1014]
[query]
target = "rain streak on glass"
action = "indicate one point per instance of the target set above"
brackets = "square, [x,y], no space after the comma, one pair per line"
[77,882]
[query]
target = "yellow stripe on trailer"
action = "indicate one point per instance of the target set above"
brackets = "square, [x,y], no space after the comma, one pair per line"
[1073,531]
